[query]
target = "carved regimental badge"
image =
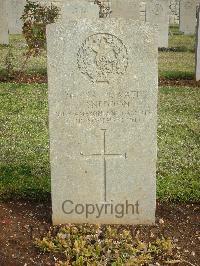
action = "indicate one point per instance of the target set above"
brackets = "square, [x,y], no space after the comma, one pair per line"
[102,56]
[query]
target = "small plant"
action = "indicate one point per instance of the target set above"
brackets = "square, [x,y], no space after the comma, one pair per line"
[9,63]
[35,19]
[104,245]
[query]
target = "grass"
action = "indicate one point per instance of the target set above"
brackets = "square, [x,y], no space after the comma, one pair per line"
[25,170]
[18,48]
[24,141]
[171,64]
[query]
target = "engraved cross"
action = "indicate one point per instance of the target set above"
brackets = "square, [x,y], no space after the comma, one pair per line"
[104,156]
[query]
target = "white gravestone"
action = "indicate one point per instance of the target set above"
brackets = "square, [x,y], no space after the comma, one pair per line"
[4,37]
[16,8]
[126,9]
[188,16]
[102,118]
[198,46]
[78,9]
[157,13]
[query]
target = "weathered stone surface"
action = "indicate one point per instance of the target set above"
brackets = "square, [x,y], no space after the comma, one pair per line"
[4,37]
[188,16]
[157,13]
[102,116]
[16,8]
[125,9]
[76,9]
[198,46]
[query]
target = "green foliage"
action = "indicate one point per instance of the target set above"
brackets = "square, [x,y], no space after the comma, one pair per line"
[104,245]
[178,75]
[179,144]
[35,18]
[9,63]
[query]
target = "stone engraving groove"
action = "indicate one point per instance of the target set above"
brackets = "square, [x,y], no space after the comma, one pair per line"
[104,155]
[102,56]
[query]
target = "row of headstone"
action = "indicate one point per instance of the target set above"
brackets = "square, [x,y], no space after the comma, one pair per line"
[102,117]
[198,45]
[186,16]
[156,13]
[156,10]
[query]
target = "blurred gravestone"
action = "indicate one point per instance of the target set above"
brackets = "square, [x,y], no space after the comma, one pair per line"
[79,9]
[125,9]
[4,37]
[16,8]
[157,13]
[174,9]
[188,15]
[198,45]
[102,118]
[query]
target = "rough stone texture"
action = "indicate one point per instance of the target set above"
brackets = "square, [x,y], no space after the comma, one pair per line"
[102,118]
[4,37]
[188,16]
[157,13]
[125,9]
[174,11]
[198,46]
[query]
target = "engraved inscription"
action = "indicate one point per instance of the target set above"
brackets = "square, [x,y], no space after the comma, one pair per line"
[125,106]
[101,57]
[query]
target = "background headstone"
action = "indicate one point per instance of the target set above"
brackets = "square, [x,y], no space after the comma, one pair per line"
[78,9]
[198,45]
[102,117]
[157,13]
[4,36]
[125,8]
[16,8]
[188,16]
[174,11]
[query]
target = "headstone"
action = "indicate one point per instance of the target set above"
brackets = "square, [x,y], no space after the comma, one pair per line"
[102,118]
[198,46]
[16,8]
[125,9]
[174,9]
[188,16]
[4,37]
[75,9]
[157,13]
